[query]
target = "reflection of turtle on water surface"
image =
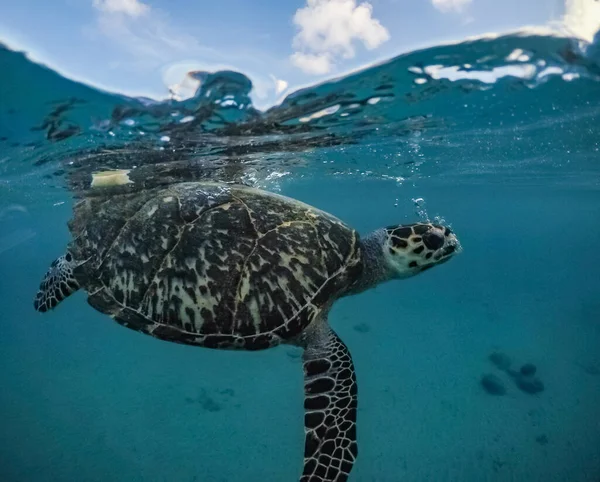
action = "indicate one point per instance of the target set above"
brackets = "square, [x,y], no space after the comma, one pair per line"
[232,267]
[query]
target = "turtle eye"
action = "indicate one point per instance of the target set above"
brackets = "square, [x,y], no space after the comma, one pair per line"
[433,240]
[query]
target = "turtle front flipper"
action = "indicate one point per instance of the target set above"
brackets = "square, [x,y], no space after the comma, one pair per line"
[330,405]
[58,283]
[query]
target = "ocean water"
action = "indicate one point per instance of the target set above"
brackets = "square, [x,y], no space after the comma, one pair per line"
[498,136]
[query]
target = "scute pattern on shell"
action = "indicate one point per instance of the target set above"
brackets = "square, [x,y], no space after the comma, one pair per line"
[209,264]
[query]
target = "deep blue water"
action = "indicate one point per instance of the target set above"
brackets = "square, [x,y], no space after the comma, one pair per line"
[512,164]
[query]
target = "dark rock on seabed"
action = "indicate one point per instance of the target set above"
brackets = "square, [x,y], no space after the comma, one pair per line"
[493,385]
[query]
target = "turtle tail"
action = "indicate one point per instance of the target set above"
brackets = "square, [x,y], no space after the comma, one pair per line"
[58,283]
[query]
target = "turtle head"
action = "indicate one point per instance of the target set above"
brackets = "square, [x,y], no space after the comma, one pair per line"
[403,251]
[411,249]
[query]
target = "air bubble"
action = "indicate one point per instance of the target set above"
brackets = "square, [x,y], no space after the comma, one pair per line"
[440,220]
[420,209]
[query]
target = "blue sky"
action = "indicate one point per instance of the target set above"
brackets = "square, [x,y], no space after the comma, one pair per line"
[141,47]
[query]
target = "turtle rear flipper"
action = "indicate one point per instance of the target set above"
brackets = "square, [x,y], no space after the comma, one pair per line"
[58,283]
[330,405]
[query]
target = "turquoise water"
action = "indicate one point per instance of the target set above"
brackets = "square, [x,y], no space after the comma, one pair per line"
[507,154]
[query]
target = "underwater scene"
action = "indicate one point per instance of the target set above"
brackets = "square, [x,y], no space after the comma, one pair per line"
[203,290]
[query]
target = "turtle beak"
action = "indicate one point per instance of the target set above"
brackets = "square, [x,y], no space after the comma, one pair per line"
[452,244]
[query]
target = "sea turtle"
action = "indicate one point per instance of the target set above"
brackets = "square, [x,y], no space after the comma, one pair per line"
[233,267]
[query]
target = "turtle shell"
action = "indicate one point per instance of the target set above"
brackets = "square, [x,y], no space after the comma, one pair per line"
[218,265]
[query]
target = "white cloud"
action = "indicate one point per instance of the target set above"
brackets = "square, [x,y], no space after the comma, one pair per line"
[280,84]
[146,39]
[317,64]
[134,8]
[449,5]
[146,34]
[582,17]
[328,29]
